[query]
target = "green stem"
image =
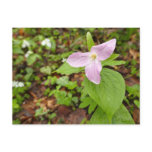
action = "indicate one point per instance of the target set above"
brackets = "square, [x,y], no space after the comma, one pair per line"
[110,119]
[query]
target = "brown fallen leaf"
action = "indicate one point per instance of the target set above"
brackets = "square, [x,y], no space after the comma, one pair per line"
[136,115]
[77,116]
[64,110]
[134,54]
[131,81]
[51,104]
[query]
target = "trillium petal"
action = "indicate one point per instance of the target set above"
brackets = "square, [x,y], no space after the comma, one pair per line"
[79,59]
[104,50]
[93,70]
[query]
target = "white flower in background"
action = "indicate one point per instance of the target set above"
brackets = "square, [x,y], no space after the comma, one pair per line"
[25,44]
[46,42]
[17,84]
[64,60]
[28,53]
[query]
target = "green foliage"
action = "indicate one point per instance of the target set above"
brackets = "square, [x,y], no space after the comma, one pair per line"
[51,80]
[32,58]
[46,70]
[19,96]
[17,121]
[111,62]
[17,50]
[40,112]
[133,90]
[63,98]
[75,99]
[90,41]
[71,85]
[53,45]
[121,116]
[65,68]
[137,103]
[16,106]
[52,115]
[63,81]
[88,102]
[109,93]
[19,60]
[29,72]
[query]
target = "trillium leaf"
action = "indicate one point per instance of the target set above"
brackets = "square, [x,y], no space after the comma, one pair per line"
[67,69]
[111,62]
[109,93]
[90,41]
[121,116]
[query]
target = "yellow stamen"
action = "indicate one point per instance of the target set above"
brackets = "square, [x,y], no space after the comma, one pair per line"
[93,56]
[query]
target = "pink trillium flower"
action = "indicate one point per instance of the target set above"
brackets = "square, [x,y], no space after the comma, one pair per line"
[92,60]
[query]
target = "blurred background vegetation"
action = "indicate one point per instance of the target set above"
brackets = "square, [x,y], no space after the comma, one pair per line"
[41,96]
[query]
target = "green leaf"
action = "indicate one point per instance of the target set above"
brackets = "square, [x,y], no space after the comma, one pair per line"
[112,57]
[52,115]
[62,81]
[46,70]
[114,62]
[62,98]
[17,121]
[90,41]
[27,76]
[19,59]
[87,101]
[99,117]
[65,68]
[29,70]
[109,93]
[92,107]
[111,62]
[133,90]
[75,100]
[32,58]
[137,103]
[71,85]
[53,45]
[17,50]
[121,116]
[40,112]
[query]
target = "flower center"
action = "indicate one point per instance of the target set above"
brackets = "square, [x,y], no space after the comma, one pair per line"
[93,56]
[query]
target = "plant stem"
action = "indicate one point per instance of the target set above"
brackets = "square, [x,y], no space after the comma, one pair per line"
[110,119]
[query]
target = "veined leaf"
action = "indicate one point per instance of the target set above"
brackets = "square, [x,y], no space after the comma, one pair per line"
[67,69]
[109,93]
[121,116]
[90,41]
[111,62]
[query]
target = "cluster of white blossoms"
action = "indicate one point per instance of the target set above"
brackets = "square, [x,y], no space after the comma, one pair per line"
[17,84]
[25,44]
[28,53]
[46,42]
